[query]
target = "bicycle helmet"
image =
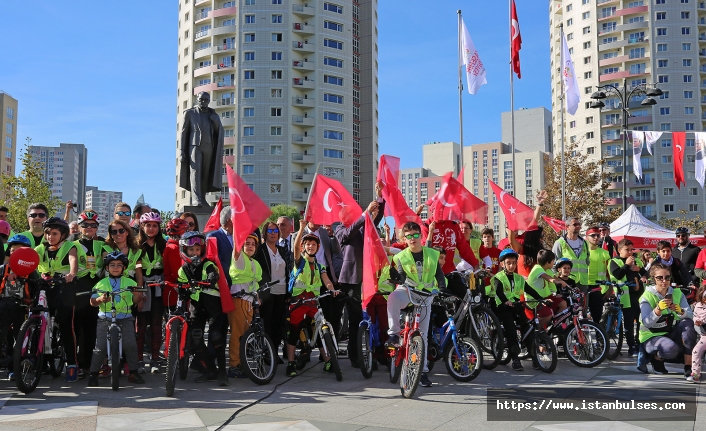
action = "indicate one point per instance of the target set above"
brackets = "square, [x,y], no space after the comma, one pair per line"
[57,223]
[5,228]
[508,252]
[151,217]
[604,225]
[190,239]
[682,230]
[19,239]
[562,261]
[87,216]
[312,237]
[176,227]
[115,255]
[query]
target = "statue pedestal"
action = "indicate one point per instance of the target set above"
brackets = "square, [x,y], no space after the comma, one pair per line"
[202,214]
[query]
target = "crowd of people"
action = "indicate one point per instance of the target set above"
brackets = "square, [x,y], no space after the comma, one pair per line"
[143,250]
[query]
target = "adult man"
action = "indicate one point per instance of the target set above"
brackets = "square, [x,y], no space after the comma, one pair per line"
[351,276]
[285,226]
[224,241]
[685,251]
[3,213]
[598,260]
[36,215]
[123,211]
[201,150]
[573,247]
[606,242]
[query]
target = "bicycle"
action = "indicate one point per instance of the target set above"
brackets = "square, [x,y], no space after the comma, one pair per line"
[462,356]
[309,335]
[257,351]
[115,337]
[369,338]
[39,335]
[535,341]
[612,317]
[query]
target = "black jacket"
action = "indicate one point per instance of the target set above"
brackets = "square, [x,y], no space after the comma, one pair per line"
[262,256]
[688,256]
[680,275]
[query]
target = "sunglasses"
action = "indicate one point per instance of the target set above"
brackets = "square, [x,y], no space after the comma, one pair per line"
[89,226]
[124,213]
[663,277]
[604,229]
[682,235]
[413,235]
[272,230]
[40,215]
[595,235]
[192,224]
[117,231]
[576,224]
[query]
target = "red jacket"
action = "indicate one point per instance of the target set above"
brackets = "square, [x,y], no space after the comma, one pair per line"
[171,259]
[448,236]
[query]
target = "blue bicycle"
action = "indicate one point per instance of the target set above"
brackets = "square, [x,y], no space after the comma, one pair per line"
[369,338]
[612,317]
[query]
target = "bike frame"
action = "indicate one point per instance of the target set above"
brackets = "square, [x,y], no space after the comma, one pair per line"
[615,302]
[319,322]
[407,330]
[41,311]
[180,314]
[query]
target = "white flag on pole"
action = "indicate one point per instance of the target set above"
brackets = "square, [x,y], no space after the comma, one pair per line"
[700,144]
[475,71]
[650,139]
[637,140]
[571,85]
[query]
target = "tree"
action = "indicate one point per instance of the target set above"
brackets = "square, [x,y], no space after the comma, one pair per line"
[283,210]
[28,188]
[166,216]
[586,183]
[694,223]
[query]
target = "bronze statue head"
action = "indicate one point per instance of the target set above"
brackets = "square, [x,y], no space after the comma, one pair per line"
[203,99]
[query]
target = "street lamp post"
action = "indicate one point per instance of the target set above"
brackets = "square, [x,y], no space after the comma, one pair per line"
[649,90]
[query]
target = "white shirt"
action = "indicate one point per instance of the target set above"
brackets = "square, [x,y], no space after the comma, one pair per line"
[277,271]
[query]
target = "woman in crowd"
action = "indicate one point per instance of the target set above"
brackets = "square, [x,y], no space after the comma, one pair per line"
[120,238]
[191,219]
[531,243]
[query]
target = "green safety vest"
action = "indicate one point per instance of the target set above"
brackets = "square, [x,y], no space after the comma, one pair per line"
[123,302]
[147,265]
[547,288]
[405,261]
[512,294]
[89,265]
[625,298]
[132,258]
[303,281]
[475,246]
[663,325]
[250,274]
[28,234]
[597,266]
[54,266]
[579,271]
[384,285]
[182,278]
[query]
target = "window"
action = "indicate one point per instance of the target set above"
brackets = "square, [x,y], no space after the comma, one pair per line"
[275,112]
[8,128]
[684,15]
[248,169]
[668,175]
[276,74]
[10,113]
[688,94]
[587,30]
[569,22]
[570,36]
[276,93]
[667,160]
[333,26]
[661,47]
[330,61]
[572,124]
[669,208]
[276,1]
[669,191]
[248,150]
[276,55]
[686,47]
[248,94]
[591,150]
[276,19]
[586,45]
[248,131]
[585,1]
[689,126]
[569,7]
[589,135]
[8,141]
[248,2]
[693,191]
[664,111]
[249,37]
[661,32]
[333,43]
[664,95]
[249,19]
[663,78]
[249,112]
[690,143]
[334,172]
[276,150]
[335,80]
[333,98]
[228,133]
[330,134]
[587,60]
[688,110]
[249,56]
[662,63]
[685,30]
[276,131]
[249,74]
[587,75]
[659,1]
[661,16]
[333,8]
[693,207]
[333,116]
[686,62]
[665,127]
[665,144]
[586,15]
[334,154]
[276,37]
[637,52]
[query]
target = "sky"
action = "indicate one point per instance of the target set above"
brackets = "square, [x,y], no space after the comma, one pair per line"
[104,74]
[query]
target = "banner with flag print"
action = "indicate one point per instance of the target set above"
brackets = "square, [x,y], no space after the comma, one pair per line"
[516,38]
[517,215]
[700,144]
[555,224]
[214,221]
[454,202]
[572,95]
[475,71]
[637,140]
[248,211]
[678,144]
[329,202]
[374,260]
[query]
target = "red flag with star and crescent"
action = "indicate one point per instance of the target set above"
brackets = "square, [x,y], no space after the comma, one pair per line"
[248,211]
[517,215]
[454,202]
[678,142]
[395,204]
[214,221]
[327,199]
[516,38]
[374,260]
[555,224]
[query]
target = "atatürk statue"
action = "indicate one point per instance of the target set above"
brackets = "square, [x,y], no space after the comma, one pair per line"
[201,154]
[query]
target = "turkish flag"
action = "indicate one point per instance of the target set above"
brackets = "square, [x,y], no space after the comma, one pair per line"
[395,204]
[374,260]
[516,38]
[389,170]
[454,202]
[555,224]
[223,287]
[247,210]
[329,202]
[517,215]
[678,142]
[214,222]
[460,175]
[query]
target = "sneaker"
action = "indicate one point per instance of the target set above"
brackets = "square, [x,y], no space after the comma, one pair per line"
[71,373]
[223,379]
[206,377]
[643,369]
[141,367]
[154,367]
[328,368]
[291,369]
[11,376]
[93,380]
[631,351]
[517,365]
[658,366]
[394,340]
[136,379]
[424,381]
[688,374]
[236,373]
[690,379]
[105,371]
[696,377]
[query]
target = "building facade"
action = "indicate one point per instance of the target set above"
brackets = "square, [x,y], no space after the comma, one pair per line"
[295,85]
[102,202]
[533,129]
[8,132]
[627,42]
[410,180]
[442,157]
[65,168]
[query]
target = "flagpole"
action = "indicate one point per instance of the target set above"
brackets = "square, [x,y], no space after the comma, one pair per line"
[512,101]
[562,98]
[460,92]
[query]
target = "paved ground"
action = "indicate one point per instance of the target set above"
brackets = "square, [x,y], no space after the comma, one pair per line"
[316,401]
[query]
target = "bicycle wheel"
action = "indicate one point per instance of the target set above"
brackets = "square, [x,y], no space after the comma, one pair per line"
[58,356]
[593,351]
[173,357]
[489,335]
[115,357]
[395,366]
[333,354]
[27,360]
[365,351]
[614,331]
[545,352]
[412,365]
[466,364]
[258,357]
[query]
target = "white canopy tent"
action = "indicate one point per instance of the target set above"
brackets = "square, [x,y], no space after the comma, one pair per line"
[644,233]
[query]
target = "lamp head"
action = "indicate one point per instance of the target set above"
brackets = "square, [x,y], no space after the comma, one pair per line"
[648,101]
[654,92]
[597,104]
[597,95]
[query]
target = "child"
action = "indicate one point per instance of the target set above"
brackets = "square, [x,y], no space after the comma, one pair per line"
[541,284]
[307,278]
[680,273]
[115,263]
[207,304]
[245,274]
[562,268]
[699,323]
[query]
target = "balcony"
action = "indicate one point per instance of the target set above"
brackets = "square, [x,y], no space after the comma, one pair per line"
[303,47]
[301,177]
[225,102]
[212,68]
[303,65]
[618,201]
[702,21]
[613,60]
[304,28]
[302,10]
[201,16]
[640,120]
[612,45]
[646,166]
[611,138]
[202,52]
[623,12]
[198,2]
[225,11]
[302,140]
[622,74]
[615,185]
[303,102]
[611,122]
[224,29]
[303,83]
[303,121]
[304,159]
[648,182]
[201,34]
[225,47]
[644,199]
[613,153]
[229,121]
[300,196]
[606,1]
[607,29]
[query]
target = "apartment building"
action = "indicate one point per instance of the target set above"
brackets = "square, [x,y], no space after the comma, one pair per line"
[65,168]
[295,85]
[411,180]
[8,132]
[533,129]
[102,202]
[634,42]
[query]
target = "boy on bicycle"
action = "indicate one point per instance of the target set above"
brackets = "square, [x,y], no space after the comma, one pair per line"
[115,264]
[542,285]
[207,305]
[307,278]
[419,267]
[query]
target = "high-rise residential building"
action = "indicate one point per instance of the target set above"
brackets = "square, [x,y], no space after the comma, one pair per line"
[442,157]
[410,179]
[628,42]
[533,129]
[8,132]
[295,85]
[65,168]
[102,202]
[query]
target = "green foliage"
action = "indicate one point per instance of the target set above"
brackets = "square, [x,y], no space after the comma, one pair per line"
[695,224]
[166,216]
[27,188]
[283,210]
